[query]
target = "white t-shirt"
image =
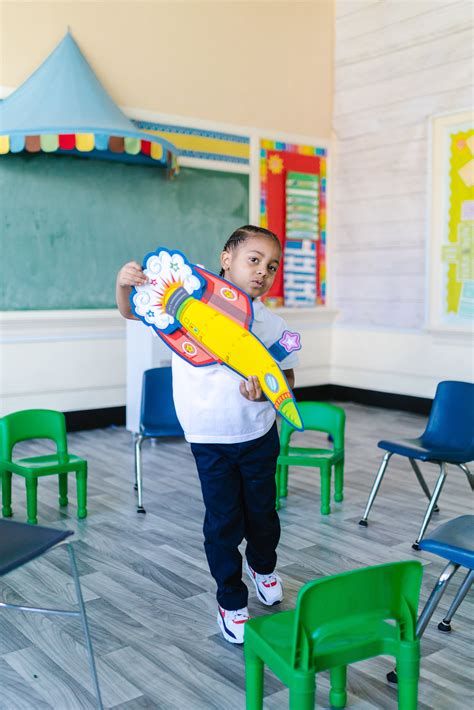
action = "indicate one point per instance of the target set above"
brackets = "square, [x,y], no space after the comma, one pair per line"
[208,402]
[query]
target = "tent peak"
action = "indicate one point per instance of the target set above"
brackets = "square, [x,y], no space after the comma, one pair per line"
[63,106]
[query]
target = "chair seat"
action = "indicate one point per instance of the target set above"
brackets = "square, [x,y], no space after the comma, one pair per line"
[354,643]
[295,453]
[20,543]
[48,464]
[414,449]
[164,430]
[277,629]
[453,541]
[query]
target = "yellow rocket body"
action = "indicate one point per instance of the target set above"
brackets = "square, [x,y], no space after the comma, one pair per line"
[241,350]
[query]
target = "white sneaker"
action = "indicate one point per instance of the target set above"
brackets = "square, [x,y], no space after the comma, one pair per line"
[232,623]
[269,587]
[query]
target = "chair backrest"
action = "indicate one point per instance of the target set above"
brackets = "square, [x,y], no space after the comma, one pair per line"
[333,604]
[451,421]
[318,416]
[158,413]
[32,424]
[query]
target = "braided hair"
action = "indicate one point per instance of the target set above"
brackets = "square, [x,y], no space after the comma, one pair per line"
[243,233]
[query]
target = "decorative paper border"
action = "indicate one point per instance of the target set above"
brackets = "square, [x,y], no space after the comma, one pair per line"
[201,143]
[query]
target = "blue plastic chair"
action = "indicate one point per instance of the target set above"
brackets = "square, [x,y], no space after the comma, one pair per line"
[454,541]
[157,417]
[447,439]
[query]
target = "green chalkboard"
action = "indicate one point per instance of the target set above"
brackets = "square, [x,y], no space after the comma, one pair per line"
[68,224]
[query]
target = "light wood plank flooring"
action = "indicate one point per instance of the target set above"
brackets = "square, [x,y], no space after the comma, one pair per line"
[150,598]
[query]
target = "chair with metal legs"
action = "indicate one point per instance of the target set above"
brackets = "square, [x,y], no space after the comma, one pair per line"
[157,418]
[454,541]
[447,439]
[20,543]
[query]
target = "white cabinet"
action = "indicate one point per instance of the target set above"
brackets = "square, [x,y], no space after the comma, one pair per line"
[144,351]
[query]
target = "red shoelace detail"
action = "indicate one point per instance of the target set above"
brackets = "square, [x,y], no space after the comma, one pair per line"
[222,612]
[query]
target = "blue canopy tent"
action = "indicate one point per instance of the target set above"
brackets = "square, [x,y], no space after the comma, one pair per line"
[63,107]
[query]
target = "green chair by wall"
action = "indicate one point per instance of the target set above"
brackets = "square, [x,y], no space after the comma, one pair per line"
[339,620]
[317,416]
[39,424]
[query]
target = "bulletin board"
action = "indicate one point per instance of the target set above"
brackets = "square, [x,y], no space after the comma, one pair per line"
[293,205]
[451,245]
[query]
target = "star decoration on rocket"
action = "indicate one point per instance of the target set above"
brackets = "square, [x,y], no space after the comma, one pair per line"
[290,341]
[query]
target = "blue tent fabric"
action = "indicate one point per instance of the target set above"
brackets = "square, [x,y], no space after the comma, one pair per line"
[64,96]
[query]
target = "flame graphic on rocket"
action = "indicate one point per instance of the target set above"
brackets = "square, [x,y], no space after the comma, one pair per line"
[206,320]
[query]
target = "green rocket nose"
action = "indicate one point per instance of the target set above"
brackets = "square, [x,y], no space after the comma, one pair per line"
[290,412]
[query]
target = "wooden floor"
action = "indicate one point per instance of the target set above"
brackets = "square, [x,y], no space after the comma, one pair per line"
[150,598]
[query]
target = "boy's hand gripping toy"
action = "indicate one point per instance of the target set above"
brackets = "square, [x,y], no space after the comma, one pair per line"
[206,320]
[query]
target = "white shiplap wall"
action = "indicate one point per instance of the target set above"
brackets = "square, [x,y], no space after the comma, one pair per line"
[397,62]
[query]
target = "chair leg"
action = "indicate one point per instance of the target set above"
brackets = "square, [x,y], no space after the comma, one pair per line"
[337,694]
[85,627]
[277,482]
[302,699]
[325,489]
[81,484]
[31,485]
[138,471]
[422,482]
[339,482]
[283,480]
[62,482]
[375,488]
[253,680]
[445,624]
[429,608]
[408,672]
[432,503]
[434,598]
[7,494]
[469,475]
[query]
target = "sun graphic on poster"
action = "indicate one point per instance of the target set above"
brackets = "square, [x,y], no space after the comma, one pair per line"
[275,164]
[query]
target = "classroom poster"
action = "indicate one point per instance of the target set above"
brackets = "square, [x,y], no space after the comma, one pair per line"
[451,233]
[457,251]
[280,165]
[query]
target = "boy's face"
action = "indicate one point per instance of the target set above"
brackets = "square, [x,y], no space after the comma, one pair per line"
[252,265]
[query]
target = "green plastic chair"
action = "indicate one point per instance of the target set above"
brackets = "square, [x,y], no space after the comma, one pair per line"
[337,621]
[316,416]
[39,424]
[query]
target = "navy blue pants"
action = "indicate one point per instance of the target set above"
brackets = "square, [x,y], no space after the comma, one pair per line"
[239,492]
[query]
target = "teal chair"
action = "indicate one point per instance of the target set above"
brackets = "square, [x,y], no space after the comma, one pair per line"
[339,620]
[39,424]
[316,416]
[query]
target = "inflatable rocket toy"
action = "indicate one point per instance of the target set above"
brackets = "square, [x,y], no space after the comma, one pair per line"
[206,320]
